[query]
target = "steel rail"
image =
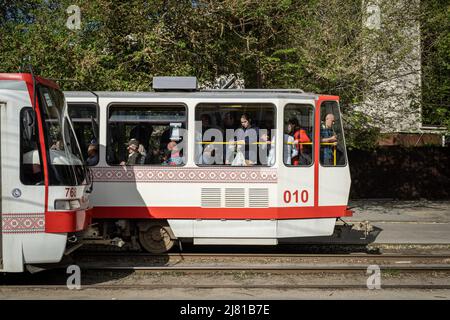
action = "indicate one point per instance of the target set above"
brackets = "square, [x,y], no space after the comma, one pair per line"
[264,268]
[265,255]
[228,286]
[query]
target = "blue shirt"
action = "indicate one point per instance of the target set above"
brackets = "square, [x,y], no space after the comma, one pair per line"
[326,152]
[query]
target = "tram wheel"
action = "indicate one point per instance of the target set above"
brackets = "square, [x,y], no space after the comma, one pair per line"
[155,237]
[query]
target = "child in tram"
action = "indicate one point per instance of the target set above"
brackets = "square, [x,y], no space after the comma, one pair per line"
[173,157]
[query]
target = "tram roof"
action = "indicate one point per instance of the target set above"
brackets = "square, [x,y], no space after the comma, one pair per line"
[226,94]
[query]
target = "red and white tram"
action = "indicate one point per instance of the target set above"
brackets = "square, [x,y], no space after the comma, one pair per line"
[44,183]
[184,186]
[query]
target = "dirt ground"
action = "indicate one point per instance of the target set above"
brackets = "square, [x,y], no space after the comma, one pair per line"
[227,294]
[233,285]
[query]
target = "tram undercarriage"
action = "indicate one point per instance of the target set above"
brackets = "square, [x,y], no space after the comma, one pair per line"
[158,236]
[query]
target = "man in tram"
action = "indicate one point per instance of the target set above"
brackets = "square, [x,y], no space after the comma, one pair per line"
[328,136]
[133,154]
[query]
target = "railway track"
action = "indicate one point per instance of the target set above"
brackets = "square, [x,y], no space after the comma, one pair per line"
[247,271]
[259,262]
[267,268]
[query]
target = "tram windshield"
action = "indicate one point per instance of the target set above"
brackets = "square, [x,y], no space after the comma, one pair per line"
[65,160]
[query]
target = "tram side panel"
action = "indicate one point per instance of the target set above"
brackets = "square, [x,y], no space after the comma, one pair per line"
[175,193]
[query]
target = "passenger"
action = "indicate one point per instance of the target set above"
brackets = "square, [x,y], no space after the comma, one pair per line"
[57,145]
[134,156]
[206,151]
[289,151]
[172,156]
[247,135]
[327,135]
[143,154]
[92,152]
[206,122]
[269,149]
[300,137]
[229,121]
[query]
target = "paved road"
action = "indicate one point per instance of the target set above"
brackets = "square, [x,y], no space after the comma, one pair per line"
[395,222]
[406,221]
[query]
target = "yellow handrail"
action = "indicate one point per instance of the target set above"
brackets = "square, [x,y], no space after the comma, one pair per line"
[289,143]
[322,144]
[300,143]
[233,142]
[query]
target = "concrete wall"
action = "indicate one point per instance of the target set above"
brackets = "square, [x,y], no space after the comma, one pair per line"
[394,84]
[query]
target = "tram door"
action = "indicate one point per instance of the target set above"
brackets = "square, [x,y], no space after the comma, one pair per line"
[297,171]
[334,172]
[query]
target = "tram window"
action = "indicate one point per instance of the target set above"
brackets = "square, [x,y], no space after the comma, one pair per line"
[85,123]
[298,135]
[235,134]
[332,144]
[159,131]
[31,172]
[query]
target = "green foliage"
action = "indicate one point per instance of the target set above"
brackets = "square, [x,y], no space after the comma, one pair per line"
[435,23]
[359,133]
[317,45]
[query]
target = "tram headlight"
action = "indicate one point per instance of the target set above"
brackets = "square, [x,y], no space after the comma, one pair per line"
[73,204]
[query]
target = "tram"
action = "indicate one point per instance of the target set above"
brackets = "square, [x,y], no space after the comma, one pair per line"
[215,167]
[44,182]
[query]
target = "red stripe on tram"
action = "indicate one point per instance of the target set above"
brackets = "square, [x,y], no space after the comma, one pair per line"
[35,104]
[128,212]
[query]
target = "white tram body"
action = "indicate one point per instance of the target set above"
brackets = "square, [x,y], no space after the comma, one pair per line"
[217,203]
[39,206]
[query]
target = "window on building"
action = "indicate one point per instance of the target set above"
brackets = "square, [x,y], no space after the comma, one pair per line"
[332,144]
[146,135]
[235,134]
[31,171]
[85,123]
[298,135]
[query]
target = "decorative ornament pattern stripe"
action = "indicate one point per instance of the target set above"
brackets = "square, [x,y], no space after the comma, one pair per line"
[184,175]
[23,223]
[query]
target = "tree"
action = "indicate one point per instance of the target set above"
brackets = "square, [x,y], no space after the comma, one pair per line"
[435,23]
[322,46]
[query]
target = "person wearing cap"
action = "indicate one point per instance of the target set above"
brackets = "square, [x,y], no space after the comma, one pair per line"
[134,156]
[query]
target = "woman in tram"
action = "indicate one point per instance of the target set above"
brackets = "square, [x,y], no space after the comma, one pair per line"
[247,135]
[300,137]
